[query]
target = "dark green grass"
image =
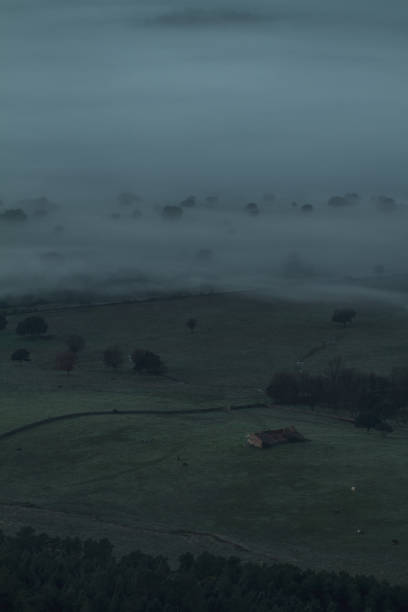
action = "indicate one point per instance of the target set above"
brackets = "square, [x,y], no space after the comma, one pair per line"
[291,502]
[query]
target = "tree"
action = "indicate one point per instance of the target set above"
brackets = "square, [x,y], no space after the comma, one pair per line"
[188,202]
[191,324]
[32,326]
[75,343]
[252,209]
[338,202]
[20,355]
[344,315]
[3,322]
[41,204]
[113,357]
[146,361]
[66,361]
[352,197]
[386,204]
[13,214]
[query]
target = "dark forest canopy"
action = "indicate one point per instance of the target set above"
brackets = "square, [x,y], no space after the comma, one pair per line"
[41,573]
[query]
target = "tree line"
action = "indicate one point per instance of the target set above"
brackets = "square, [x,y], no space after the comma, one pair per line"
[369,397]
[47,574]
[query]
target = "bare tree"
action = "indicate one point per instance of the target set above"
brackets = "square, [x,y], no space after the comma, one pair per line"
[66,361]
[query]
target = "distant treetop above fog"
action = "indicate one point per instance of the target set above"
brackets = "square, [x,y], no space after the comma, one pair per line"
[13,214]
[188,202]
[40,205]
[349,199]
[128,198]
[211,17]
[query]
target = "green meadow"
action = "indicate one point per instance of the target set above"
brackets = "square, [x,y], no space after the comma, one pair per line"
[170,483]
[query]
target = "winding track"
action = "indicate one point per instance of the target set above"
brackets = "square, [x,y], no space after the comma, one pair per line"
[77,415]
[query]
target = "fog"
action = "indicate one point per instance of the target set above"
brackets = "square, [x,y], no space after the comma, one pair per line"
[305,100]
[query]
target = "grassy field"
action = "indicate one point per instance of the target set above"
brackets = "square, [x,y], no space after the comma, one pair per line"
[123,476]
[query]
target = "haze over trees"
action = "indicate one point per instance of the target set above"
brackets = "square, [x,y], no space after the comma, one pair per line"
[252,209]
[128,198]
[287,120]
[188,202]
[13,215]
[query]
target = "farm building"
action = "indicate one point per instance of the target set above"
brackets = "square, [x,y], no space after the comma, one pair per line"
[271,437]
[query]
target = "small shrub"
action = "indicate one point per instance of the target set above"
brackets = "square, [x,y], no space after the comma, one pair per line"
[384,427]
[146,361]
[66,361]
[344,315]
[367,420]
[113,357]
[191,324]
[3,322]
[75,343]
[20,355]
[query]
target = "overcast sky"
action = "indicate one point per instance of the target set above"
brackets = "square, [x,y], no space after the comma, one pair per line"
[172,97]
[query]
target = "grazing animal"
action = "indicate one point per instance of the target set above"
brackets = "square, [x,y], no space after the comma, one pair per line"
[395,541]
[184,464]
